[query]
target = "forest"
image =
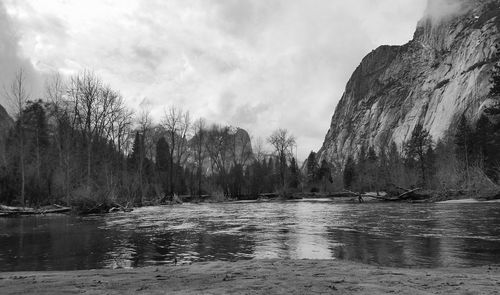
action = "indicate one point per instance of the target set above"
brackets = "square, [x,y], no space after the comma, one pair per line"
[79,145]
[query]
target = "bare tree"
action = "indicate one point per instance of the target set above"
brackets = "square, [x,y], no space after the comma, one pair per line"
[198,145]
[145,123]
[122,125]
[84,92]
[177,125]
[258,149]
[218,145]
[55,90]
[18,95]
[283,142]
[96,110]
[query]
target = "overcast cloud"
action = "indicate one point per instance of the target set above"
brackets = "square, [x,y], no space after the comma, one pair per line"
[257,64]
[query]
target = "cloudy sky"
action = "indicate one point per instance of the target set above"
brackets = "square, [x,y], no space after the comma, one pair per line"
[257,64]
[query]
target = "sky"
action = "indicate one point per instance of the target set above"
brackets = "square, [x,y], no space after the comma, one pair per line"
[256,64]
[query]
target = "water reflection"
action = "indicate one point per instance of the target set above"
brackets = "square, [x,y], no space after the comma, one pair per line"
[431,235]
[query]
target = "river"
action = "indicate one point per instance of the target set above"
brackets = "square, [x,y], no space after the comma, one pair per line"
[403,235]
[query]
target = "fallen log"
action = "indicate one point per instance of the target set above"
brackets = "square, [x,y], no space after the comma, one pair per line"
[383,198]
[55,210]
[119,208]
[16,209]
[9,210]
[407,193]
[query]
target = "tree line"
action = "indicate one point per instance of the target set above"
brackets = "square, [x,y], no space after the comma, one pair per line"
[80,145]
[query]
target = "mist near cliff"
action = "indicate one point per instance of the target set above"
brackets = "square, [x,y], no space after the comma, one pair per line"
[439,10]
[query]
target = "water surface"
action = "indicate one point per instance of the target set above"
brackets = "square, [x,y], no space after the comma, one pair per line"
[424,235]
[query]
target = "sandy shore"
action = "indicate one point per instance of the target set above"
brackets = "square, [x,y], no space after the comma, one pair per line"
[257,277]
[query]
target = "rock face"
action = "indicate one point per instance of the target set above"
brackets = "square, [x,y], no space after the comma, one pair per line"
[439,75]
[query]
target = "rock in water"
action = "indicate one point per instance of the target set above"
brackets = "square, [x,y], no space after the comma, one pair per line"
[440,74]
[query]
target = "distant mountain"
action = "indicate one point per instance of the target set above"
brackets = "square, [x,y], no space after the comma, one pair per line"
[236,143]
[433,79]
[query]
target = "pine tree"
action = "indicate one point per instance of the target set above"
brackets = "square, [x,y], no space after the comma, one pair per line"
[372,169]
[394,165]
[163,162]
[294,174]
[361,169]
[383,169]
[430,167]
[37,142]
[162,154]
[312,168]
[349,172]
[463,140]
[325,174]
[135,156]
[464,144]
[416,149]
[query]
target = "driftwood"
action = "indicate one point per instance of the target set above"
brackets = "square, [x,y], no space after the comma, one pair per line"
[120,208]
[408,194]
[9,210]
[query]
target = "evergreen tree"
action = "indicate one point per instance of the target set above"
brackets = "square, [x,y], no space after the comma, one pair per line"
[372,169]
[416,149]
[463,140]
[236,180]
[464,145]
[383,169]
[294,174]
[430,166]
[137,164]
[325,174]
[361,169]
[136,155]
[349,172]
[486,146]
[312,168]
[163,162]
[394,164]
[162,154]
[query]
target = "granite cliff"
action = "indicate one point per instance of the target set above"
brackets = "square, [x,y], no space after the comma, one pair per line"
[442,73]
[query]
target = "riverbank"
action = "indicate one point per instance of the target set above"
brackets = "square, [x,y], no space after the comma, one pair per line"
[343,197]
[257,277]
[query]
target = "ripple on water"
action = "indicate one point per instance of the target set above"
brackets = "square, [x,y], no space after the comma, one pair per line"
[429,235]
